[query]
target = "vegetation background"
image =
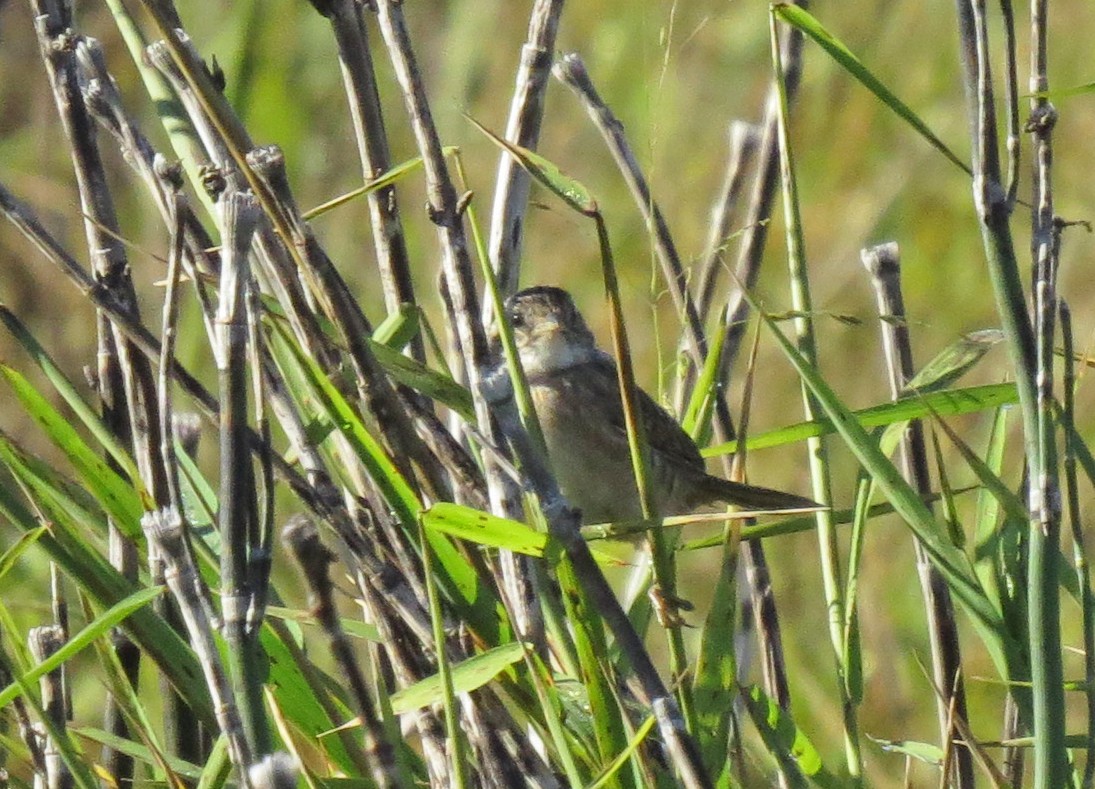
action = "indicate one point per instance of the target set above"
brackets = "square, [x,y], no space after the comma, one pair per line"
[676,73]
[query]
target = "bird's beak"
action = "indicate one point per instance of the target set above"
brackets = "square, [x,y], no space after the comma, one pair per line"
[548,325]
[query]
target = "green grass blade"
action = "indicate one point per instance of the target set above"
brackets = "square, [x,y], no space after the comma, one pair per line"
[953,362]
[951,562]
[16,550]
[97,628]
[483,528]
[567,189]
[799,18]
[436,386]
[64,387]
[116,494]
[136,751]
[76,762]
[786,742]
[468,675]
[342,415]
[946,403]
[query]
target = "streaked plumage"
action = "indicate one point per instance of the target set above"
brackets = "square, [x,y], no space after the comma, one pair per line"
[574,389]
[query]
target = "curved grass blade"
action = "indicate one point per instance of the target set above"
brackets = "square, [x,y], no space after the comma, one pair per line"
[136,751]
[64,387]
[799,18]
[93,630]
[946,403]
[115,494]
[786,742]
[567,189]
[953,362]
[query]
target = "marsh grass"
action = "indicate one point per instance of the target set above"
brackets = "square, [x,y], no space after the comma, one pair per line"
[450,623]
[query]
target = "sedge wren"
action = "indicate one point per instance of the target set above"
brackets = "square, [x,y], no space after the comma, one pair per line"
[575,392]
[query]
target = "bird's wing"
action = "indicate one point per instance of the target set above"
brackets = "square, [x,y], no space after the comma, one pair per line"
[664,436]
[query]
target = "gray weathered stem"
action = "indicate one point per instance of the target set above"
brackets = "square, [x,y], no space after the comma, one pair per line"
[511,186]
[884,264]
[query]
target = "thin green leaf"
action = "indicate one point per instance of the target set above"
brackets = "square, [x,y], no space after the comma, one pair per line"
[12,554]
[105,586]
[786,742]
[436,386]
[64,387]
[953,362]
[97,628]
[352,627]
[469,675]
[76,762]
[798,18]
[218,767]
[922,751]
[1064,93]
[385,179]
[620,761]
[567,189]
[136,750]
[947,403]
[115,494]
[395,489]
[951,562]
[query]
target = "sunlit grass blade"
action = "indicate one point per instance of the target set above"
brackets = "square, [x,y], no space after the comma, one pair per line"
[352,627]
[483,528]
[14,551]
[567,189]
[319,397]
[393,175]
[76,763]
[798,17]
[105,586]
[926,752]
[953,362]
[218,767]
[137,751]
[436,386]
[64,387]
[697,414]
[946,403]
[116,495]
[714,688]
[172,116]
[620,762]
[345,419]
[786,742]
[952,563]
[473,673]
[97,628]
[1064,93]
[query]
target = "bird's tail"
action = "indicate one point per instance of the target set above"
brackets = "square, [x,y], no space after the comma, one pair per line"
[753,497]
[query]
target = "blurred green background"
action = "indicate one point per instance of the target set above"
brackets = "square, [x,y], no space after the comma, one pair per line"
[676,73]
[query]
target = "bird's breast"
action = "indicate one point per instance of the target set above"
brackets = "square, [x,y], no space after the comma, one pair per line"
[587,450]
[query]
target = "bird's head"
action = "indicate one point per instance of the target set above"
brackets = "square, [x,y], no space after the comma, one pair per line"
[550,332]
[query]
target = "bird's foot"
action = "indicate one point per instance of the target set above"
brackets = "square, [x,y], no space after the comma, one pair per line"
[668,608]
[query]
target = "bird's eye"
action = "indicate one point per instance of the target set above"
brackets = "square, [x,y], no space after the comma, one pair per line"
[516,319]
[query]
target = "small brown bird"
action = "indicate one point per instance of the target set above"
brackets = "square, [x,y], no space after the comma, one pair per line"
[575,392]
